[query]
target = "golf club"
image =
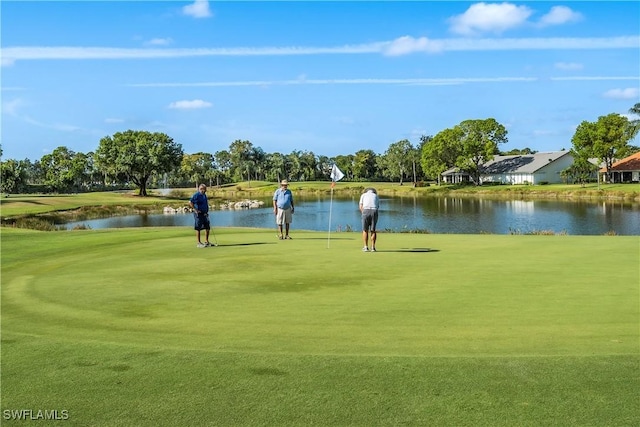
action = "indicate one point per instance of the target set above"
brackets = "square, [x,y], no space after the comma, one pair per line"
[215,241]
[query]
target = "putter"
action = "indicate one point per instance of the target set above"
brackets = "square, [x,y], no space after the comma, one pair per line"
[215,241]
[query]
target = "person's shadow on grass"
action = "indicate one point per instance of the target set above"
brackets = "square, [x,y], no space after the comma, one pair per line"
[409,250]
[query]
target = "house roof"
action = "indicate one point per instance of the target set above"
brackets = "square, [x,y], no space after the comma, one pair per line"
[525,163]
[631,163]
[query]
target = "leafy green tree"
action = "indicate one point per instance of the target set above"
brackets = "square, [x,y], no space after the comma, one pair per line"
[364,164]
[308,166]
[222,164]
[415,156]
[345,164]
[35,174]
[241,159]
[275,166]
[441,152]
[196,167]
[258,159]
[397,160]
[580,171]
[293,165]
[64,170]
[138,155]
[324,167]
[607,139]
[13,176]
[479,141]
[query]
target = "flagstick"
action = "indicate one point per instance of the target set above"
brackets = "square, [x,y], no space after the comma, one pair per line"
[330,209]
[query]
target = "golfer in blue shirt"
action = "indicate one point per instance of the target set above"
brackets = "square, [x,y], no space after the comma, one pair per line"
[283,208]
[200,206]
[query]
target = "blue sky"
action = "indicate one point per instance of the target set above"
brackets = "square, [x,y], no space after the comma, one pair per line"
[328,77]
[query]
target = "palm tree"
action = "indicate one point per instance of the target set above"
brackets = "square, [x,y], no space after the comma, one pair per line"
[635,124]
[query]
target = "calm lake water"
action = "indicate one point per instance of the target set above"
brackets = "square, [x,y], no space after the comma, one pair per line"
[432,214]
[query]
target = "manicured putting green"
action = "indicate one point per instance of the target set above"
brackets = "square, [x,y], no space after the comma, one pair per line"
[140,327]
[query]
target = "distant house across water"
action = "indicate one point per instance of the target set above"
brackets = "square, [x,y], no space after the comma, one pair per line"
[538,168]
[625,170]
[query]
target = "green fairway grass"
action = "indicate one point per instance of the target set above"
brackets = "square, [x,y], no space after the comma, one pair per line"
[138,327]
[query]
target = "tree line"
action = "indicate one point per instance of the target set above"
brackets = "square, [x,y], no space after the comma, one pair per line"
[143,159]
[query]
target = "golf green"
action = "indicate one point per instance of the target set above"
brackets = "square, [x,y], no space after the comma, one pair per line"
[139,327]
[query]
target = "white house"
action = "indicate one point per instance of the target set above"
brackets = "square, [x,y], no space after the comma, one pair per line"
[519,169]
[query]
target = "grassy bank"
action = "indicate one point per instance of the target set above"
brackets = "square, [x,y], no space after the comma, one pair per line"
[554,191]
[137,327]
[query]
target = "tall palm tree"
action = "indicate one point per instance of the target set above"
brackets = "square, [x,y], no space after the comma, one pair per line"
[635,124]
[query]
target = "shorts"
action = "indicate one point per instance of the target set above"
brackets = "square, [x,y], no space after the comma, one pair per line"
[284,216]
[201,221]
[369,219]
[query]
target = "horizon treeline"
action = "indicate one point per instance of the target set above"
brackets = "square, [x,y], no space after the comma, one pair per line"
[143,159]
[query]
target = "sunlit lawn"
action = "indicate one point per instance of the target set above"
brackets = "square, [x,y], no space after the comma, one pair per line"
[138,327]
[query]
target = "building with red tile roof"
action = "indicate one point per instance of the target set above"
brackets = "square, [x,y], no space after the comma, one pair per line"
[625,170]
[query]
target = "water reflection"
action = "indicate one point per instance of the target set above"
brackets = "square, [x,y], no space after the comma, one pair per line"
[433,214]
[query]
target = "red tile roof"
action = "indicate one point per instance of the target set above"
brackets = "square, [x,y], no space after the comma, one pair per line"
[631,163]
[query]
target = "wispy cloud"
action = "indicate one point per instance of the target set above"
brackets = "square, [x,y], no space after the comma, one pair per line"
[400,46]
[190,105]
[626,93]
[568,66]
[158,41]
[594,78]
[407,44]
[14,108]
[11,107]
[199,9]
[419,82]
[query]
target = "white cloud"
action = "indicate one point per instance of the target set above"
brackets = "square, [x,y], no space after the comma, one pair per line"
[485,17]
[407,44]
[199,9]
[11,107]
[627,93]
[158,41]
[113,120]
[190,105]
[568,66]
[559,15]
